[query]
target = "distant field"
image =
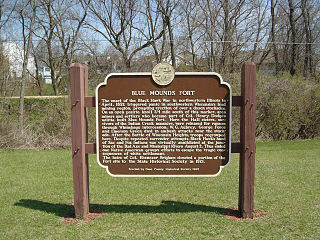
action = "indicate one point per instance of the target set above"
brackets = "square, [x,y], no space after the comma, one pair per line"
[36,194]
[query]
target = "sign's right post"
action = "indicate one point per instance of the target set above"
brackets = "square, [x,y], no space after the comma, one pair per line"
[247,140]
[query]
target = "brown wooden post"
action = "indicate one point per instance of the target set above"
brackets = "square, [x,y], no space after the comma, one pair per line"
[79,132]
[247,140]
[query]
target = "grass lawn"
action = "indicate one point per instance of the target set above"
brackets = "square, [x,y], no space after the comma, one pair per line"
[36,194]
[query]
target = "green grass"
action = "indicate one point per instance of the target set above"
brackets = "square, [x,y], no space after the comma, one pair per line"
[36,193]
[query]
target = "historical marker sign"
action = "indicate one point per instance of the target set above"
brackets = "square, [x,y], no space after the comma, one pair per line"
[163,124]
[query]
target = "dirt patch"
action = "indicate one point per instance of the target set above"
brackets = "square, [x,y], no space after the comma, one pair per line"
[70,218]
[234,214]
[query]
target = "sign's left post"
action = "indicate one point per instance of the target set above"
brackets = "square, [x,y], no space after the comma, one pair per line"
[79,132]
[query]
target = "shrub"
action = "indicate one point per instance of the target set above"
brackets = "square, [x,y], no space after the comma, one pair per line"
[47,124]
[288,107]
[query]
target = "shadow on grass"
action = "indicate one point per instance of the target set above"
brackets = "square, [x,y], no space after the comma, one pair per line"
[64,210]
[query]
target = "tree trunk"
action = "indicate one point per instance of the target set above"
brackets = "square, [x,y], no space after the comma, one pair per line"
[226,45]
[37,76]
[164,39]
[255,46]
[156,53]
[190,36]
[128,64]
[194,56]
[212,65]
[293,38]
[24,70]
[273,39]
[173,55]
[308,53]
[49,47]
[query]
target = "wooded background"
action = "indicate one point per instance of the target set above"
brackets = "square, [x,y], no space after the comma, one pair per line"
[134,35]
[281,36]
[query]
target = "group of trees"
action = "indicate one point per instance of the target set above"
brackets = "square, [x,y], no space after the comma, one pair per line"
[132,35]
[280,36]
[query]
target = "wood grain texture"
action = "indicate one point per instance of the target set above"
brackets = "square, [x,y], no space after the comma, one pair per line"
[89,101]
[247,139]
[79,121]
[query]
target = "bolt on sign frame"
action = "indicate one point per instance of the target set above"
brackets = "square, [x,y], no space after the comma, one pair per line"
[80,101]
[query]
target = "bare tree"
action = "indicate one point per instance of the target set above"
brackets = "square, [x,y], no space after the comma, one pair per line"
[46,32]
[6,11]
[209,24]
[292,20]
[154,29]
[308,36]
[259,13]
[59,25]
[190,12]
[117,22]
[273,35]
[69,21]
[27,32]
[37,77]
[4,74]
[167,7]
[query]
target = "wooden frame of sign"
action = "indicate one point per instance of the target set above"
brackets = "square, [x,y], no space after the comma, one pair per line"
[191,162]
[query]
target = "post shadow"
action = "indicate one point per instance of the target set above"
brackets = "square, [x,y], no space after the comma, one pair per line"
[64,210]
